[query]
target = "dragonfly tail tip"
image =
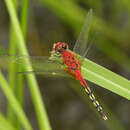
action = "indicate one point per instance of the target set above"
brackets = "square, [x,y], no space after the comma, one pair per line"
[105,118]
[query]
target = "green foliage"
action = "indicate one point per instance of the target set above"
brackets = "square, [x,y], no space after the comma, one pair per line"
[105,78]
[36,97]
[73,15]
[4,124]
[14,103]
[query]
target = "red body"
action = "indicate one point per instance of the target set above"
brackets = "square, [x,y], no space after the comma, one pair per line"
[74,68]
[70,60]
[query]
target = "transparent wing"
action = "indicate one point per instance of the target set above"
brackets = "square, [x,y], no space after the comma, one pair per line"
[81,43]
[40,64]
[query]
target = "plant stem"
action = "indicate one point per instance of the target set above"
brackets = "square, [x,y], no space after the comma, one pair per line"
[13,102]
[35,93]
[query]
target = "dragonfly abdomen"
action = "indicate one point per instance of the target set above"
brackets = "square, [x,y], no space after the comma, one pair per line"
[95,102]
[90,94]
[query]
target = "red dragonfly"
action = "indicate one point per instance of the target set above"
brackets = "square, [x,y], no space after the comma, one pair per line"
[68,62]
[73,65]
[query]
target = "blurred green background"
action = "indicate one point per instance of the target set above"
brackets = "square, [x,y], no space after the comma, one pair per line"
[50,21]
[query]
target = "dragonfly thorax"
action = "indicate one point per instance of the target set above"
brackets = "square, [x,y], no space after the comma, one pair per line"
[60,47]
[71,61]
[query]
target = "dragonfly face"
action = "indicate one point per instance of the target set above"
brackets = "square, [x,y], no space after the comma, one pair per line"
[60,47]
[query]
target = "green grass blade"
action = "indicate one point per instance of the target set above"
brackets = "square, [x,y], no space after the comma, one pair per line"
[12,68]
[5,124]
[36,96]
[15,105]
[20,81]
[24,17]
[106,78]
[103,77]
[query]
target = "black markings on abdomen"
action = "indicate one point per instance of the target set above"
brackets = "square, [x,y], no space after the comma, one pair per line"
[93,99]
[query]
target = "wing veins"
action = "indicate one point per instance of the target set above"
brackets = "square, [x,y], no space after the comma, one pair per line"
[81,43]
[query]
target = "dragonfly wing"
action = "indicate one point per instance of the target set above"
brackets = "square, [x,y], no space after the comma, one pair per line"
[40,64]
[81,43]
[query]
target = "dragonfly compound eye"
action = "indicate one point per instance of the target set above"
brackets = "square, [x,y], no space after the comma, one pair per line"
[60,47]
[64,45]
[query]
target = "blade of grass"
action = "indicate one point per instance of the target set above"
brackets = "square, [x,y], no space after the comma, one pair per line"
[19,90]
[106,78]
[35,93]
[24,17]
[103,77]
[5,124]
[15,105]
[12,68]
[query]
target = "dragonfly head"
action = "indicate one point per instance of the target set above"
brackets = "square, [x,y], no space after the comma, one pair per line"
[60,47]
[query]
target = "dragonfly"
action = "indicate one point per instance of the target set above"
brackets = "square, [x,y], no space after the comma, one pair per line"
[67,62]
